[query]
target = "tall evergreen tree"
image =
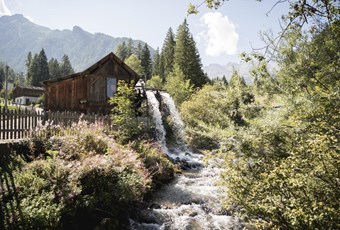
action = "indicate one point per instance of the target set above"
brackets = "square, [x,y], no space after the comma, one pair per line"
[186,56]
[146,61]
[122,51]
[168,52]
[130,48]
[33,72]
[65,66]
[43,66]
[139,51]
[2,78]
[237,80]
[158,67]
[37,70]
[54,68]
[28,66]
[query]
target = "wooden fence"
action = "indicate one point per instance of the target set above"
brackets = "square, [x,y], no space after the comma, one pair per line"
[19,123]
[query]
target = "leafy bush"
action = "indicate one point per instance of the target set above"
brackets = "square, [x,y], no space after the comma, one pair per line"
[158,164]
[124,114]
[210,111]
[85,179]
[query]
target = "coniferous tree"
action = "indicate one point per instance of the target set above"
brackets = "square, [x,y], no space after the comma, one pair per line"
[168,52]
[237,80]
[28,66]
[43,66]
[186,56]
[146,61]
[2,78]
[158,67]
[33,72]
[139,51]
[122,51]
[130,48]
[37,68]
[54,68]
[65,66]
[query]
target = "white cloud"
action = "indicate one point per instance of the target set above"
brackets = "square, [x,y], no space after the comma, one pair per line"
[220,34]
[3,8]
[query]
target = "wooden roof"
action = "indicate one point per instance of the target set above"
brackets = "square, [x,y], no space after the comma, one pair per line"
[94,67]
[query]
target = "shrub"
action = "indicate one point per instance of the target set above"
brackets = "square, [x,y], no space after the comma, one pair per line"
[156,162]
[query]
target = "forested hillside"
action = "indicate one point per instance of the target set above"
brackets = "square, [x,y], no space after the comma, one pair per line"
[20,36]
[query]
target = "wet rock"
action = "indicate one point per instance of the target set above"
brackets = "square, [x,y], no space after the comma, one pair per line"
[193,225]
[149,217]
[155,206]
[193,214]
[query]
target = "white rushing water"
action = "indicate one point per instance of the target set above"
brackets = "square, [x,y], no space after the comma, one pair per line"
[192,201]
[157,118]
[177,123]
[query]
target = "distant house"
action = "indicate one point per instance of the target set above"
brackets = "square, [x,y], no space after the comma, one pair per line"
[25,95]
[88,91]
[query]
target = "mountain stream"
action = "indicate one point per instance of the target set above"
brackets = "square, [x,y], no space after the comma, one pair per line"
[192,201]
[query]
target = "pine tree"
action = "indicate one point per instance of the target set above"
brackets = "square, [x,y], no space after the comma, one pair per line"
[158,67]
[65,66]
[28,66]
[54,68]
[186,56]
[237,81]
[122,51]
[130,48]
[168,52]
[139,51]
[146,61]
[37,68]
[43,67]
[2,78]
[33,72]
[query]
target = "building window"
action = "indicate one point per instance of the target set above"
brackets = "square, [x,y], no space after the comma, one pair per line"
[111,86]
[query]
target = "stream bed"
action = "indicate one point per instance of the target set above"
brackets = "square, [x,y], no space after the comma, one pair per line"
[192,201]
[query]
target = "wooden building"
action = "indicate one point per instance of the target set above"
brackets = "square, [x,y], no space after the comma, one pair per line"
[25,95]
[88,91]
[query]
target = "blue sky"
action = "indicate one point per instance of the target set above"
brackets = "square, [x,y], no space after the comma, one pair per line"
[220,34]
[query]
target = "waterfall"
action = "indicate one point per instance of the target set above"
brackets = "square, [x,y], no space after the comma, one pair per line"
[157,118]
[177,123]
[193,199]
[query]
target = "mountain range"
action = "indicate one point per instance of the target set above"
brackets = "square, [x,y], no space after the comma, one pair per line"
[18,36]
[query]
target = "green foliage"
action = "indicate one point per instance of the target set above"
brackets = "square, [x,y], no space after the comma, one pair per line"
[54,68]
[146,61]
[177,86]
[134,63]
[155,82]
[84,178]
[43,187]
[211,111]
[121,51]
[37,68]
[282,172]
[158,65]
[168,52]
[158,164]
[124,112]
[65,66]
[187,58]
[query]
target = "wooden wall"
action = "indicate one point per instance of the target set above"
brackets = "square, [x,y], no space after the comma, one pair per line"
[86,92]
